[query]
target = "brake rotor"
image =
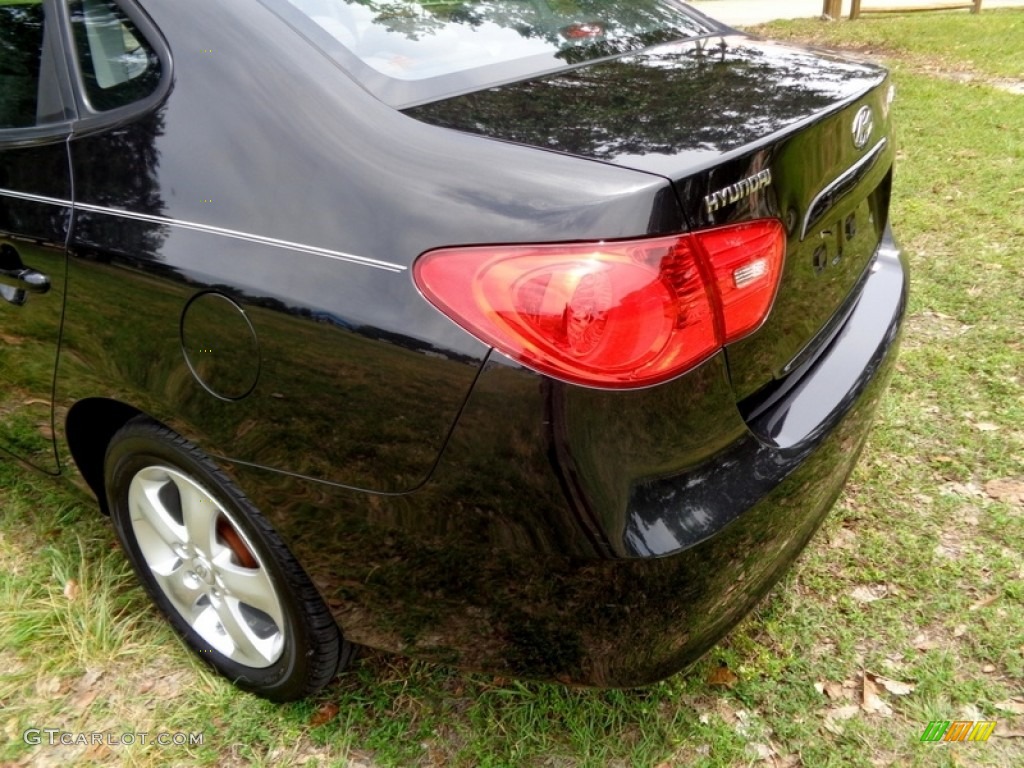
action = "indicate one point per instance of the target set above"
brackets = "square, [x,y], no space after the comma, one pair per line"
[235,543]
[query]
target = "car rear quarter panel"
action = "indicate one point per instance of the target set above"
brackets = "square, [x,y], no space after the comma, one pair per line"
[269,177]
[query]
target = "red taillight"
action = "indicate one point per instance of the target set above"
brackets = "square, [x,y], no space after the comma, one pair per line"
[746,260]
[611,314]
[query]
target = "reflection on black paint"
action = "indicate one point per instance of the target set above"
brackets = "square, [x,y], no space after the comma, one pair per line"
[713,94]
[331,397]
[574,31]
[21,45]
[512,581]
[124,176]
[32,235]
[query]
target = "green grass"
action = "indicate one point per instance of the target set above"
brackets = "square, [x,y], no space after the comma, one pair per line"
[915,524]
[989,42]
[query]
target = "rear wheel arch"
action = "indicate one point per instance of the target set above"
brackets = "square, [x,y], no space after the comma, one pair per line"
[89,427]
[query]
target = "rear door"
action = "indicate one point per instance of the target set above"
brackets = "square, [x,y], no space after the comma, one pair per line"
[35,216]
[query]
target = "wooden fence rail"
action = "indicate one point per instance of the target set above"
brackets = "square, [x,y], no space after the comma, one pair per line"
[834,8]
[974,6]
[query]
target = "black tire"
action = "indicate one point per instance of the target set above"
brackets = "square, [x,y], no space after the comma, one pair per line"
[223,577]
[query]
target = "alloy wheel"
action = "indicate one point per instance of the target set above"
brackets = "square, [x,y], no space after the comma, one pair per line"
[206,567]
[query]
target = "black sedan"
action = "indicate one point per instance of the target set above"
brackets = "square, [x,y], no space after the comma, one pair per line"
[534,336]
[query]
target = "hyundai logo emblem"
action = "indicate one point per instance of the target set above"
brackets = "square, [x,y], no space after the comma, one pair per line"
[863,125]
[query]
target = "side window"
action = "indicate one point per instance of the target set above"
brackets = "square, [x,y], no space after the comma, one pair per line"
[118,67]
[29,93]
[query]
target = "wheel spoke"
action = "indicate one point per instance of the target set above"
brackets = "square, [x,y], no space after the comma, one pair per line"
[249,649]
[199,513]
[251,586]
[150,517]
[210,627]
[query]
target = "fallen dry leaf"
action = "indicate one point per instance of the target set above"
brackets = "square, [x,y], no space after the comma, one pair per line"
[89,679]
[836,715]
[1016,706]
[85,690]
[923,643]
[82,701]
[1008,489]
[986,426]
[833,690]
[984,602]
[960,630]
[71,589]
[324,714]
[870,701]
[895,687]
[869,594]
[722,676]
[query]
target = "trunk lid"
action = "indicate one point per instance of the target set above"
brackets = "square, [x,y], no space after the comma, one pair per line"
[743,129]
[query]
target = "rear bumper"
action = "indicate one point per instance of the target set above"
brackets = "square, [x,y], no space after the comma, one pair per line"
[723,533]
[532,553]
[831,399]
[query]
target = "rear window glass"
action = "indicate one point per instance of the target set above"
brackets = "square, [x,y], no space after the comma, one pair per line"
[429,41]
[118,67]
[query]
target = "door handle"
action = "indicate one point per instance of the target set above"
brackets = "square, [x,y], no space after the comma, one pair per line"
[25,279]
